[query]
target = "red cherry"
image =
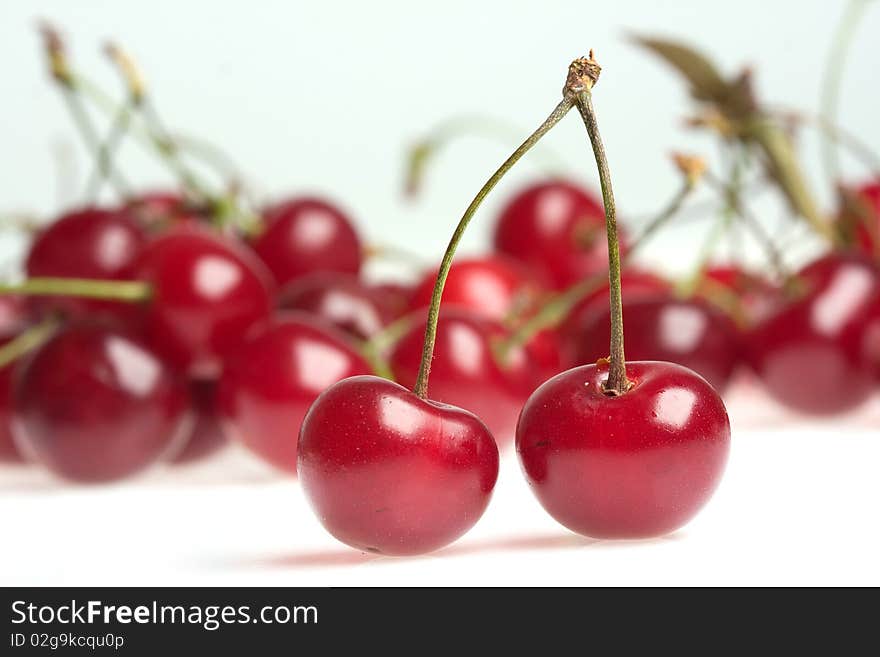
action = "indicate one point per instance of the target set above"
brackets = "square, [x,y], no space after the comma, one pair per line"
[465,371]
[87,243]
[208,290]
[14,318]
[495,287]
[206,436]
[746,296]
[860,219]
[395,296]
[340,299]
[688,332]
[9,453]
[634,284]
[811,354]
[93,404]
[269,383]
[159,208]
[634,466]
[389,472]
[558,229]
[307,235]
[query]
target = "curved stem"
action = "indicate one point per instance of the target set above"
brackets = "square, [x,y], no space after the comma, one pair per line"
[421,386]
[463,126]
[617,383]
[80,287]
[831,80]
[562,304]
[27,340]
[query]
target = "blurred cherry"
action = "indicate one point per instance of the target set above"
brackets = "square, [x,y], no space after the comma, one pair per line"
[637,465]
[306,235]
[389,472]
[87,243]
[93,404]
[206,436]
[394,295]
[466,371]
[269,383]
[14,319]
[745,296]
[341,299]
[207,291]
[688,332]
[557,228]
[635,284]
[494,287]
[811,353]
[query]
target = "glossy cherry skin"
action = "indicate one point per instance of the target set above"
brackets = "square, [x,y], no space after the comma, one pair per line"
[466,372]
[635,284]
[688,332]
[495,287]
[389,472]
[208,290]
[558,229]
[340,299]
[635,466]
[93,404]
[306,235]
[206,437]
[269,383]
[88,243]
[814,354]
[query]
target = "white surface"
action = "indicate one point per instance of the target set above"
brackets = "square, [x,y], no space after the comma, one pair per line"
[798,506]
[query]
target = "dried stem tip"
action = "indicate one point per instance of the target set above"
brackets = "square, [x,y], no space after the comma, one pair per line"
[53,44]
[691,166]
[128,69]
[583,73]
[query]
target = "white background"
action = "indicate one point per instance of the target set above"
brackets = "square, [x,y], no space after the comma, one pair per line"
[325,96]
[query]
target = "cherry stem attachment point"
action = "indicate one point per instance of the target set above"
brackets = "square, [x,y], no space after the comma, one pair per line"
[559,112]
[90,288]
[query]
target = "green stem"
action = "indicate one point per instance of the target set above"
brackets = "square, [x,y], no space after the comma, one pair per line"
[831,81]
[421,386]
[462,126]
[27,340]
[562,304]
[107,151]
[617,383]
[80,287]
[88,132]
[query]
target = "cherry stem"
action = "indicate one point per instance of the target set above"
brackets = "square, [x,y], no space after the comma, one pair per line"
[68,84]
[832,78]
[617,383]
[562,304]
[394,253]
[91,288]
[135,88]
[421,386]
[734,203]
[27,341]
[376,347]
[463,126]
